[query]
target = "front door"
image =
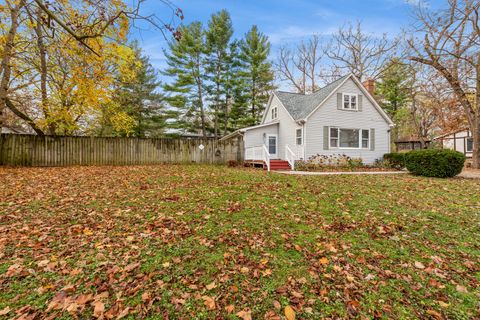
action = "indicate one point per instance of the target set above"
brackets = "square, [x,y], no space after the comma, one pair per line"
[272,145]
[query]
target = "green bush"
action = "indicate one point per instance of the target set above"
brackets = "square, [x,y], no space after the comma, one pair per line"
[396,160]
[435,163]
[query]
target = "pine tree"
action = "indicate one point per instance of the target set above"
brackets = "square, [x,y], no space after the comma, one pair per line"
[394,86]
[136,97]
[140,99]
[219,63]
[186,66]
[257,73]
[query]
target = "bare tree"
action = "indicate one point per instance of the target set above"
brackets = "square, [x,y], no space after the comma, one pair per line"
[448,42]
[300,66]
[365,55]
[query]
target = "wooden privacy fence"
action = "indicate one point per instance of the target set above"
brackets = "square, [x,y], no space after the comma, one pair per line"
[32,150]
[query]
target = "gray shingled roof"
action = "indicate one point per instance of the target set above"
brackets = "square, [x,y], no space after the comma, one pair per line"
[301,105]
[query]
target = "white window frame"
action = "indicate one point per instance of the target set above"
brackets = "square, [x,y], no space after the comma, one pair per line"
[274,113]
[360,139]
[466,144]
[350,95]
[299,137]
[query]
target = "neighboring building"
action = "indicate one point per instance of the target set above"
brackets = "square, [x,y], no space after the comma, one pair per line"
[460,140]
[13,129]
[341,118]
[412,143]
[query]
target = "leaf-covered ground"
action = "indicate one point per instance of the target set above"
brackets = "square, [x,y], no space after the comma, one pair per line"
[205,242]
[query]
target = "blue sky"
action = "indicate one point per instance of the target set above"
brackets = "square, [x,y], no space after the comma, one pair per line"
[284,21]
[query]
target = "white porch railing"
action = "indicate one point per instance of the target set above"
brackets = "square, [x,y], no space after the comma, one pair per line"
[291,156]
[259,153]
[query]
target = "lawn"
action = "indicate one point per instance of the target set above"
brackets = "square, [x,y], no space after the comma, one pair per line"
[206,242]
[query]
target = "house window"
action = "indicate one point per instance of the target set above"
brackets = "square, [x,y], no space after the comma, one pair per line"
[469,145]
[349,138]
[298,136]
[365,139]
[274,113]
[350,101]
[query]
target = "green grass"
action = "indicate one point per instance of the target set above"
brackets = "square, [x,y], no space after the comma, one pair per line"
[328,246]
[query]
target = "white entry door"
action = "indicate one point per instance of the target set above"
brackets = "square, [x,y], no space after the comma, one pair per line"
[272,145]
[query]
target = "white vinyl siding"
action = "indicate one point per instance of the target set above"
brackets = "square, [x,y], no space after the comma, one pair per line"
[329,115]
[257,137]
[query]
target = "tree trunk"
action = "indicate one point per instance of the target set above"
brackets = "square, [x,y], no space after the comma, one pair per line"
[43,71]
[6,57]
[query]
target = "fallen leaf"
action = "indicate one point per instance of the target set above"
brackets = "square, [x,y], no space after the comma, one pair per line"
[211,286]
[277,305]
[244,270]
[98,309]
[131,266]
[289,313]
[5,311]
[230,308]
[461,289]
[245,314]
[209,302]
[419,265]
[323,261]
[434,313]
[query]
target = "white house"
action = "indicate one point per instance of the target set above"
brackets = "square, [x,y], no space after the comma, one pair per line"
[340,118]
[460,140]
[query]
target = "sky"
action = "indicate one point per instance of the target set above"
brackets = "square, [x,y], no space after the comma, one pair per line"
[283,21]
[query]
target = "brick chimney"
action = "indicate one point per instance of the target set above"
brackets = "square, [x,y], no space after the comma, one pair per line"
[369,84]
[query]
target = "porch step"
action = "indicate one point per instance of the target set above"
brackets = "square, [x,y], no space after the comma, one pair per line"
[279,165]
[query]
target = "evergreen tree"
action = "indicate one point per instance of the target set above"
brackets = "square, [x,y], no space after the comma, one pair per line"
[394,90]
[138,98]
[186,66]
[257,74]
[394,87]
[219,62]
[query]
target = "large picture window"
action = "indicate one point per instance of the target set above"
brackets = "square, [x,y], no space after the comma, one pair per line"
[350,101]
[349,138]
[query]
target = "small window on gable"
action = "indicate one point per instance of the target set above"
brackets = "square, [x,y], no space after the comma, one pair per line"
[469,145]
[274,113]
[298,136]
[350,101]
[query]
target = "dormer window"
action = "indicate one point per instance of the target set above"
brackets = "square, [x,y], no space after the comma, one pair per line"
[350,101]
[274,113]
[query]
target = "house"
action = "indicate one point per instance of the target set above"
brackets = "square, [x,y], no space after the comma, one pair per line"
[460,140]
[340,118]
[411,143]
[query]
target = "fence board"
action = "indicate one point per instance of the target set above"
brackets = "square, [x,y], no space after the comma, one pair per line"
[33,150]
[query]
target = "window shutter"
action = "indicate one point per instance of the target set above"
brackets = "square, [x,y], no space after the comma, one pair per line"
[360,102]
[372,139]
[339,101]
[325,137]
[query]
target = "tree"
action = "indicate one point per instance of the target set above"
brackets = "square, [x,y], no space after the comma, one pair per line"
[354,51]
[256,74]
[448,41]
[300,66]
[186,66]
[393,89]
[61,55]
[218,66]
[138,97]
